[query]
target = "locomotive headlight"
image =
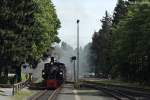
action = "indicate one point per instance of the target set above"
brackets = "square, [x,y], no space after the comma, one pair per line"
[60,73]
[43,73]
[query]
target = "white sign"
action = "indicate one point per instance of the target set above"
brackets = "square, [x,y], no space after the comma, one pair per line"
[26,68]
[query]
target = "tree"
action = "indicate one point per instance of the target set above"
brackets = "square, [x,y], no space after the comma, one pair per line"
[87,58]
[27,29]
[101,44]
[120,11]
[130,44]
[14,24]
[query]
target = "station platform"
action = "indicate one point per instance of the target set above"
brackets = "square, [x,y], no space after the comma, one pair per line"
[68,92]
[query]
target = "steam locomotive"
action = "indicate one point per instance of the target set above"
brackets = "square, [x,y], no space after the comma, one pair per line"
[54,74]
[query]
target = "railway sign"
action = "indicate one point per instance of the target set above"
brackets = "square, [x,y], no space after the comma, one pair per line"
[73,58]
[26,68]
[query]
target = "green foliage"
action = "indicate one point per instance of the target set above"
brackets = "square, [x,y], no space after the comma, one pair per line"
[120,11]
[100,46]
[4,80]
[27,30]
[130,41]
[127,44]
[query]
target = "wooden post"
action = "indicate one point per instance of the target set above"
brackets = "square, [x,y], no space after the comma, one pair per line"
[13,92]
[17,87]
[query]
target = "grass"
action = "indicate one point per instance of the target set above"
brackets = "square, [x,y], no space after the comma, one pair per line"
[39,80]
[1,91]
[117,83]
[113,82]
[22,95]
[23,77]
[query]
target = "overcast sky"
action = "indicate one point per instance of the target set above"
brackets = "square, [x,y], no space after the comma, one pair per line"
[88,11]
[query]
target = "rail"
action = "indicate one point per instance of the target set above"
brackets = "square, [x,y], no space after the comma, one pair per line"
[46,95]
[119,93]
[54,94]
[17,87]
[138,88]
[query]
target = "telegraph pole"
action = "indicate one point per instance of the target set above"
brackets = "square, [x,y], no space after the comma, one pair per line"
[78,50]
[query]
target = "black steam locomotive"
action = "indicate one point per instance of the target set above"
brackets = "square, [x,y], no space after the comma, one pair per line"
[54,74]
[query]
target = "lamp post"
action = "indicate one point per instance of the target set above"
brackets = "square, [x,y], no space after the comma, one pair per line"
[78,50]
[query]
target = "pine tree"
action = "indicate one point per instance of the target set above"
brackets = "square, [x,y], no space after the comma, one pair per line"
[101,44]
[120,11]
[130,44]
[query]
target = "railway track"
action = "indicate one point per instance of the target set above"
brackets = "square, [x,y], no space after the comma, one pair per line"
[120,93]
[45,95]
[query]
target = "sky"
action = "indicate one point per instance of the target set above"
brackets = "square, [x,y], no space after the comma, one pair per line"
[89,12]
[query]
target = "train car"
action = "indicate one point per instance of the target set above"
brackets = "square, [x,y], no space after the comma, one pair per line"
[54,74]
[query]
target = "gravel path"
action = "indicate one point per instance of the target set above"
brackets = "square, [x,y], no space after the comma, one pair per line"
[6,91]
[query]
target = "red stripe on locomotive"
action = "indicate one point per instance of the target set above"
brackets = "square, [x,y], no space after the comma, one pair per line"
[52,84]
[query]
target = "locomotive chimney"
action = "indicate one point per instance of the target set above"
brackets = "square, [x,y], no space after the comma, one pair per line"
[52,59]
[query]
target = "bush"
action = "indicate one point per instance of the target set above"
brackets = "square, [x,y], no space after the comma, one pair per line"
[4,80]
